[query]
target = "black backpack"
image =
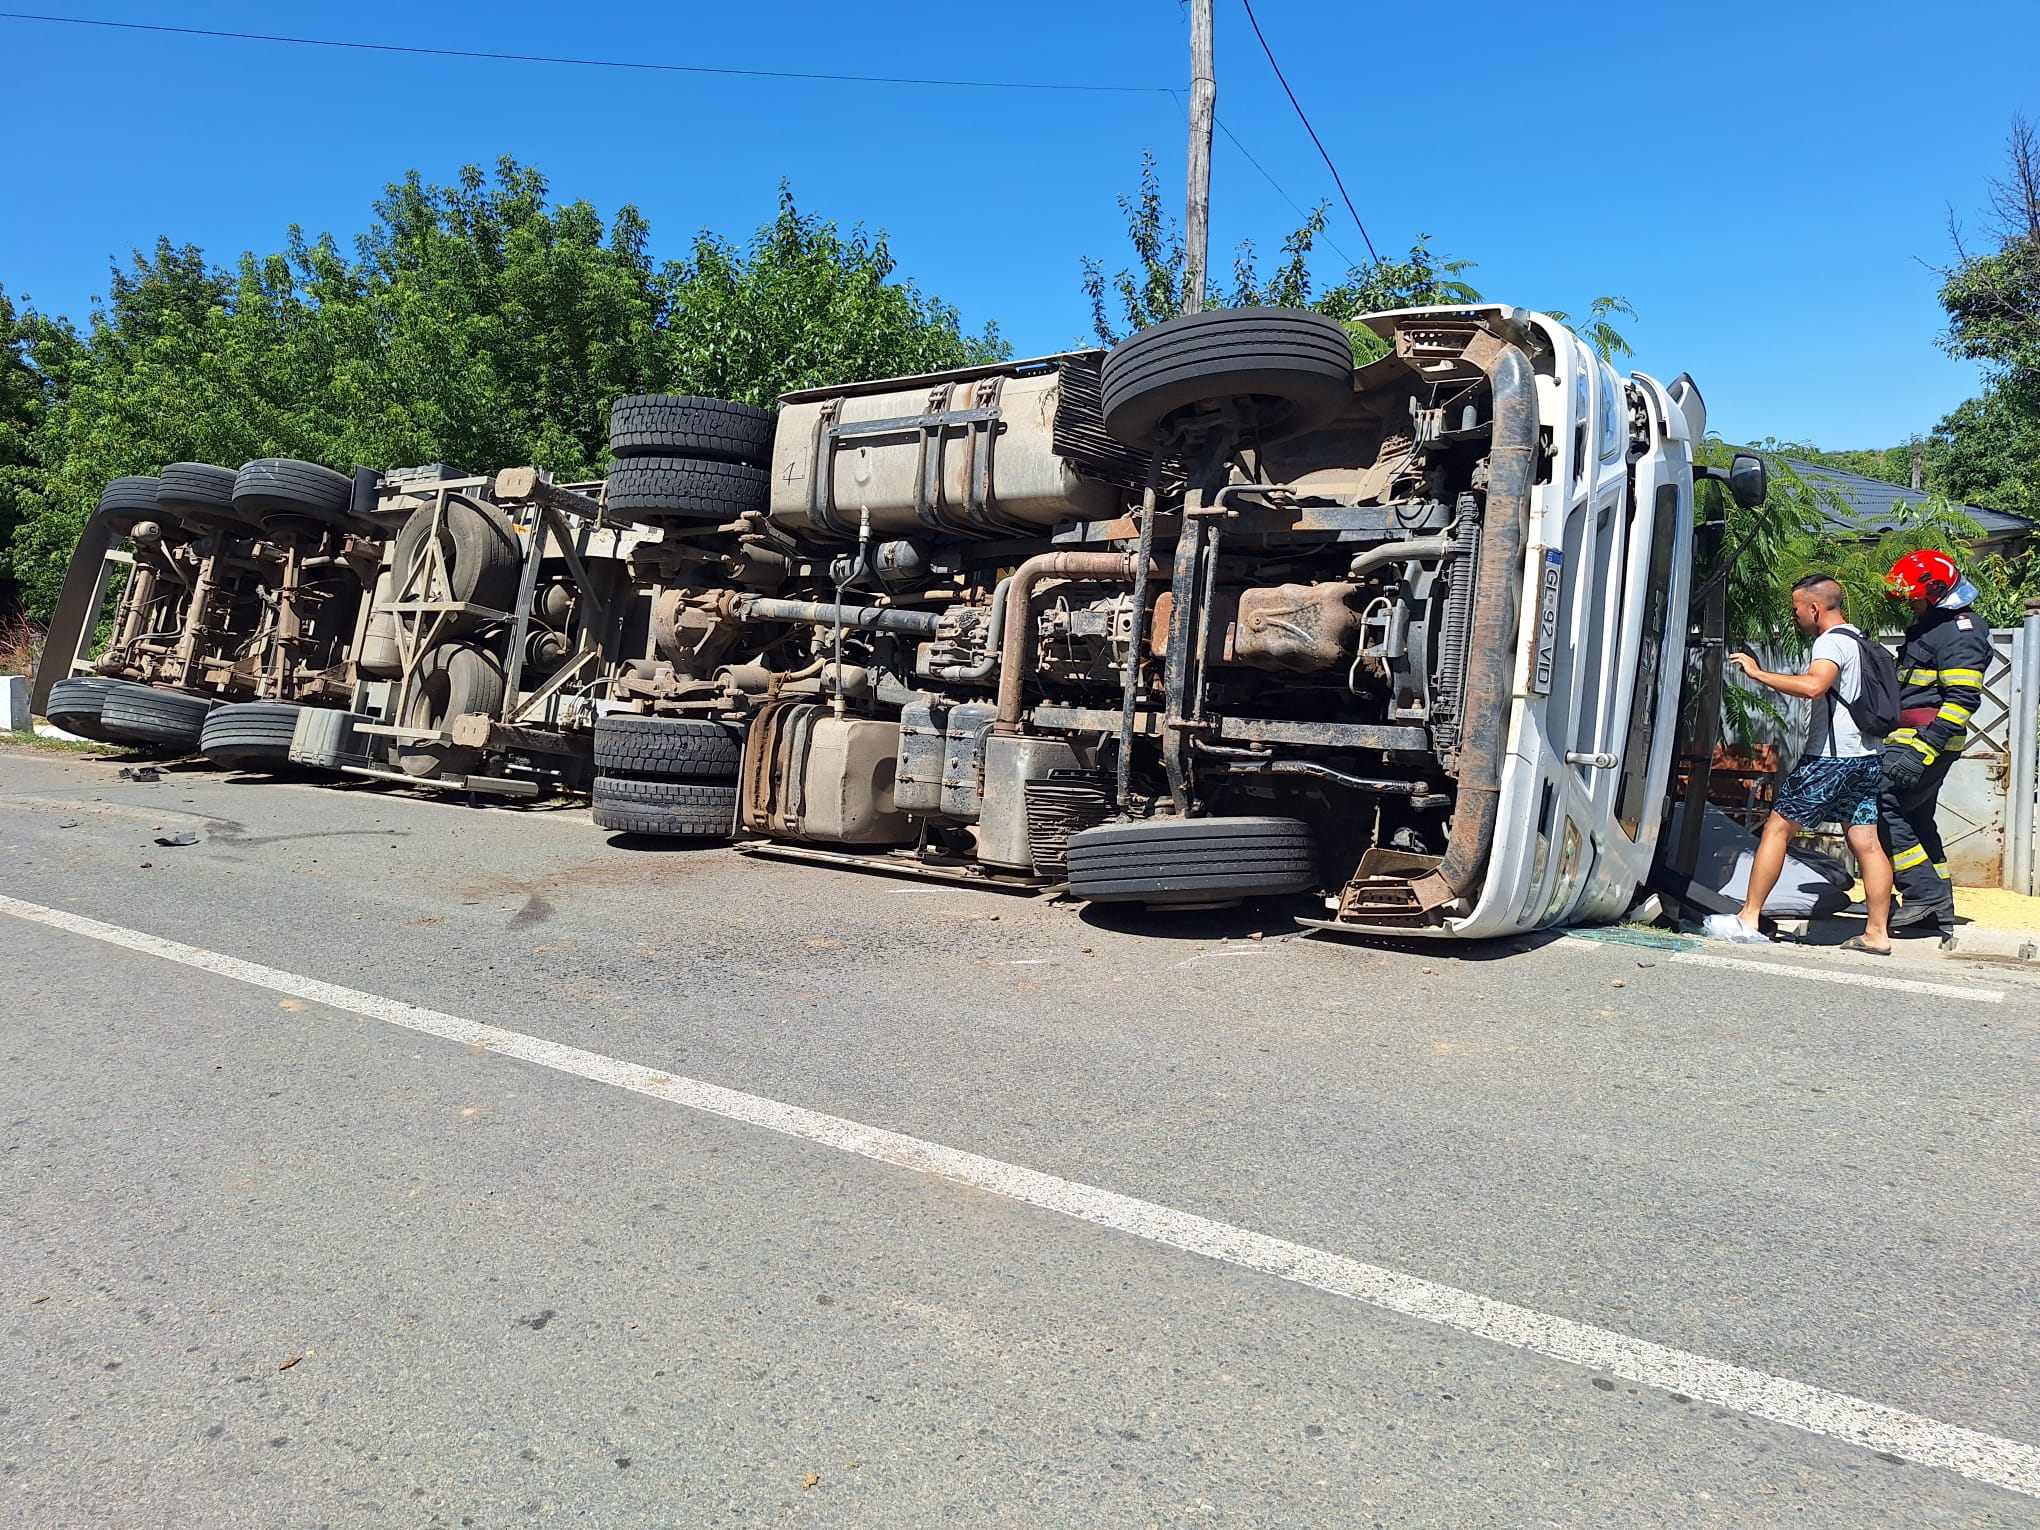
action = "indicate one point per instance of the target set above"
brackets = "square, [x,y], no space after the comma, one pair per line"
[1876,706]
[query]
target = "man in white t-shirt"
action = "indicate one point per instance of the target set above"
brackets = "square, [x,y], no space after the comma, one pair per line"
[1838,774]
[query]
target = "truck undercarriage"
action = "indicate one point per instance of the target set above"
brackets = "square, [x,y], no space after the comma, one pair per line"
[1216,615]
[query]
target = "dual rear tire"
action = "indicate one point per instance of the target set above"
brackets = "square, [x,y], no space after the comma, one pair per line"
[684,459]
[75,704]
[672,777]
[166,721]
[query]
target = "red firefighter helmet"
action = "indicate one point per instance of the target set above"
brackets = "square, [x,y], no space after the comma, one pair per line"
[1924,575]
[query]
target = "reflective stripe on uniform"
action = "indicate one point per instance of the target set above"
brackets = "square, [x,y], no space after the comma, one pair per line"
[1942,870]
[1907,859]
[1952,713]
[1957,742]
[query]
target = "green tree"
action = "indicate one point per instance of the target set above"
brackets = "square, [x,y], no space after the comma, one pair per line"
[805,305]
[480,324]
[1891,464]
[1151,289]
[24,401]
[1804,527]
[1988,449]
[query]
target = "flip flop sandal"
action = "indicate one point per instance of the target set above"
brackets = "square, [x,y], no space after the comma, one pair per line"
[1857,943]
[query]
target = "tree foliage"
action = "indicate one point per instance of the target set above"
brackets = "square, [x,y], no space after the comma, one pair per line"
[1890,464]
[24,400]
[1804,527]
[805,305]
[481,324]
[1152,289]
[1987,451]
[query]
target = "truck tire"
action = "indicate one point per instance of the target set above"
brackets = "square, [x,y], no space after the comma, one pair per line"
[141,714]
[676,425]
[74,706]
[1291,371]
[281,494]
[253,735]
[673,809]
[451,679]
[126,502]
[1191,862]
[480,551]
[654,489]
[666,748]
[202,497]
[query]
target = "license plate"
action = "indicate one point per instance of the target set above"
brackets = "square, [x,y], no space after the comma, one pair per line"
[1547,622]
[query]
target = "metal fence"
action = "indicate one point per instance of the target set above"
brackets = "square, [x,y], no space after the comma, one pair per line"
[2020,732]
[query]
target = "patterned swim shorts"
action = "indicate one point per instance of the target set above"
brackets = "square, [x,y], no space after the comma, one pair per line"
[1830,790]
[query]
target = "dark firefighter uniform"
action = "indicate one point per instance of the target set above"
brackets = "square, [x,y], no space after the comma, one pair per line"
[1940,672]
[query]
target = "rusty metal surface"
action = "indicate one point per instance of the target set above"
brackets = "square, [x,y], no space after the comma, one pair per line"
[1017,646]
[1512,468]
[1291,626]
[535,485]
[902,864]
[1323,735]
[1147,723]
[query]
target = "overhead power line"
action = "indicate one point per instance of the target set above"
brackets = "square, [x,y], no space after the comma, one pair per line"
[583,63]
[1280,190]
[1229,133]
[1305,120]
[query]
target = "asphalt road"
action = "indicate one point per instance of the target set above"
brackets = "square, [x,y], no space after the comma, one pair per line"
[267,1261]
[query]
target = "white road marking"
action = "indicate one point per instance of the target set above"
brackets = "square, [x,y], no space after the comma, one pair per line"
[1810,974]
[1848,979]
[1985,1458]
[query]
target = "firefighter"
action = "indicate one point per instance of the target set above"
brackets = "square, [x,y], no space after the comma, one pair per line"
[1940,675]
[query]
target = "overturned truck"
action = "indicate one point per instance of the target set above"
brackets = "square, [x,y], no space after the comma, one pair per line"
[1214,615]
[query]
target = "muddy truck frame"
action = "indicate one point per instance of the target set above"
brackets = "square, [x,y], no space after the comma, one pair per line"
[1215,615]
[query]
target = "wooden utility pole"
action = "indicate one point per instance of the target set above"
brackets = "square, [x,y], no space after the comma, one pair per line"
[1203,106]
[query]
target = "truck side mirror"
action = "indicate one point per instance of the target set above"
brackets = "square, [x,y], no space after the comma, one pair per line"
[1748,480]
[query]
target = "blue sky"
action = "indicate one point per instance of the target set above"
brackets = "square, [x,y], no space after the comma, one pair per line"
[1768,185]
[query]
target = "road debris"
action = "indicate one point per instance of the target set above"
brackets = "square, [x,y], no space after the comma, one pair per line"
[143,773]
[181,837]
